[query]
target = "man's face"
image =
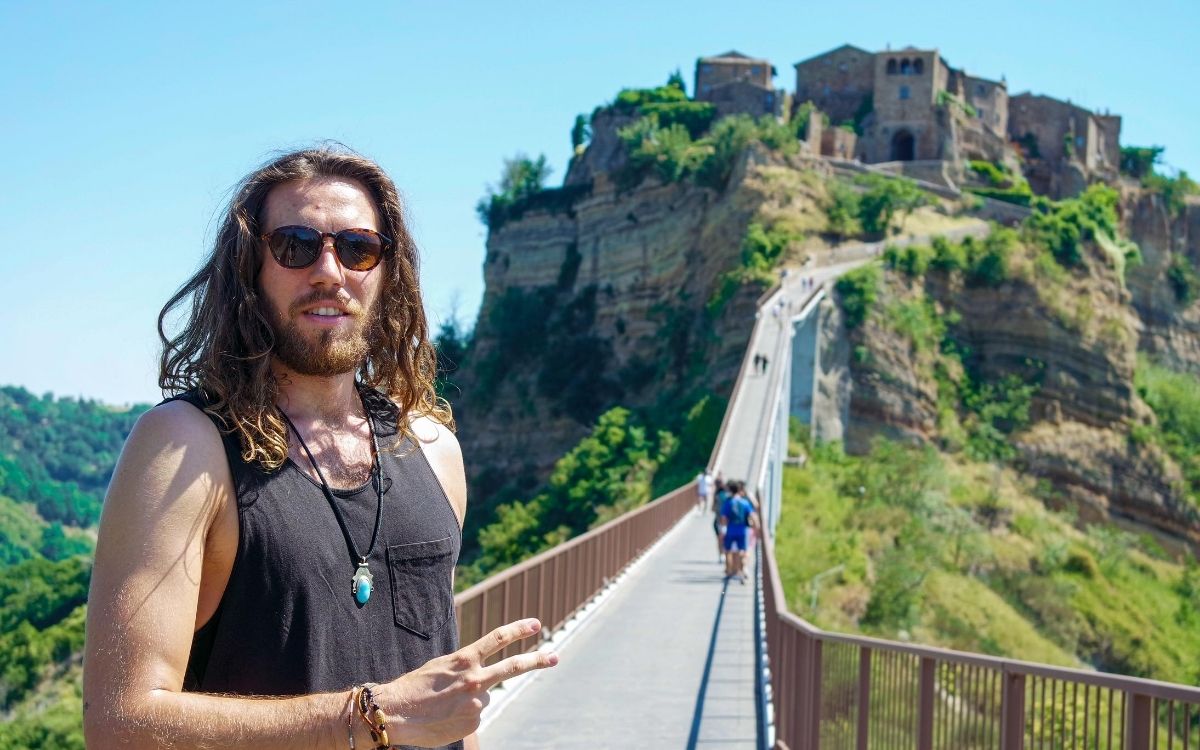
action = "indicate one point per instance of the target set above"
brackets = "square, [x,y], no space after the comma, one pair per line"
[307,342]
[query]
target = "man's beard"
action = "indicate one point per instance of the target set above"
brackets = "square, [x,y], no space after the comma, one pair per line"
[326,354]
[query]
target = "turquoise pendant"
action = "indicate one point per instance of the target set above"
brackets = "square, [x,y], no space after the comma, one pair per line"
[362,584]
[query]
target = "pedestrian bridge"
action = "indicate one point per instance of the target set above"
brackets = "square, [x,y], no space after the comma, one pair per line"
[659,650]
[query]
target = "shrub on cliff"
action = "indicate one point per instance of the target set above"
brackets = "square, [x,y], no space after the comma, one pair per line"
[520,179]
[884,198]
[858,290]
[1184,281]
[1063,226]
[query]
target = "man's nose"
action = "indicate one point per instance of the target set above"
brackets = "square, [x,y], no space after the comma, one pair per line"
[328,269]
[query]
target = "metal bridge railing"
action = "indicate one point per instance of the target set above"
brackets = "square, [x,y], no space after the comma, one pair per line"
[556,584]
[842,692]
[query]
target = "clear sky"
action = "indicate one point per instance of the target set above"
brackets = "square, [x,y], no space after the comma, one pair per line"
[125,124]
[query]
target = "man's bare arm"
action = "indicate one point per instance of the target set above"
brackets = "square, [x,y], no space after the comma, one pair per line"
[168,491]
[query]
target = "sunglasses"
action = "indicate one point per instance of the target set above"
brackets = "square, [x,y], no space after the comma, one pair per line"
[299,247]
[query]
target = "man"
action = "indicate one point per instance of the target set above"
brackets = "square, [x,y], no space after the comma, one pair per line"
[704,491]
[738,513]
[288,523]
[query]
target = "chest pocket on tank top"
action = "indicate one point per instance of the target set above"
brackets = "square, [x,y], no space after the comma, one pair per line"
[422,596]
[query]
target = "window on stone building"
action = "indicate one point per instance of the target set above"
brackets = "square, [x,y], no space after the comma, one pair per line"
[705,69]
[905,67]
[755,70]
[918,67]
[979,90]
[891,67]
[904,92]
[842,67]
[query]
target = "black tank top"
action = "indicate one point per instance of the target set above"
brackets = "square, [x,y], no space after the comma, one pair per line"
[288,623]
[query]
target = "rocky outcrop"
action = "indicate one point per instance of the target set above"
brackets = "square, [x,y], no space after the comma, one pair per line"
[1074,336]
[628,274]
[1170,326]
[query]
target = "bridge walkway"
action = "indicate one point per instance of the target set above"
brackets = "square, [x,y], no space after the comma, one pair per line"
[633,675]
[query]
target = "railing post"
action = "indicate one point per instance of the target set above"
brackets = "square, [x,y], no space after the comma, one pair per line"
[925,708]
[864,698]
[1138,721]
[1012,712]
[814,696]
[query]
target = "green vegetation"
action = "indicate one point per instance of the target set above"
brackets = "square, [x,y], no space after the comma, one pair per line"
[964,555]
[668,105]
[1184,281]
[870,205]
[1173,189]
[1139,161]
[542,325]
[955,103]
[1003,184]
[1175,399]
[607,473]
[674,152]
[581,133]
[762,250]
[1062,228]
[522,188]
[857,291]
[59,453]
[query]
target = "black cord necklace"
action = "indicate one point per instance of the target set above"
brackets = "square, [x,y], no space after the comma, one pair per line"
[363,582]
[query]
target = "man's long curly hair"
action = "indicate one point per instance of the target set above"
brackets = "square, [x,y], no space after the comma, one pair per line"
[225,349]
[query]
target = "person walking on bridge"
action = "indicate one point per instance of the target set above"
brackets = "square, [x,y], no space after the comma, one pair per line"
[287,522]
[704,491]
[738,513]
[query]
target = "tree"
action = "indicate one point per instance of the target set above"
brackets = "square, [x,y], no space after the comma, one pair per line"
[581,132]
[885,197]
[676,80]
[1139,161]
[520,178]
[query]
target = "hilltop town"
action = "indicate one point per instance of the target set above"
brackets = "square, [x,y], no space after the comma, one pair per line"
[908,109]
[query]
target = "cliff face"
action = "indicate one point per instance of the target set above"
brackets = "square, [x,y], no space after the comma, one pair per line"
[603,302]
[1170,326]
[1072,335]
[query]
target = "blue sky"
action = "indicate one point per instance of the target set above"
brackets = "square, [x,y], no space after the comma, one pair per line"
[126,124]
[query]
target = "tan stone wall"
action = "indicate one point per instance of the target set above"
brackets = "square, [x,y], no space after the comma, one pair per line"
[744,97]
[990,99]
[711,74]
[837,81]
[904,104]
[839,143]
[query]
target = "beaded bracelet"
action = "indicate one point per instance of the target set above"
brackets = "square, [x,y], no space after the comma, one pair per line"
[373,716]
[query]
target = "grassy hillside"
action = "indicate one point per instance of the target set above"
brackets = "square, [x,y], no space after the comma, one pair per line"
[948,551]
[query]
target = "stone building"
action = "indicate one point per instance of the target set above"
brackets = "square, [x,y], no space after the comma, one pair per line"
[907,105]
[1063,144]
[911,105]
[736,83]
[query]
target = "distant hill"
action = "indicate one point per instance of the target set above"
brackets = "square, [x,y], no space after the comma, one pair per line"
[59,453]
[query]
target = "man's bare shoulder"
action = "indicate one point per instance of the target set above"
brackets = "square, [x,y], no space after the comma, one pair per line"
[174,439]
[430,432]
[441,448]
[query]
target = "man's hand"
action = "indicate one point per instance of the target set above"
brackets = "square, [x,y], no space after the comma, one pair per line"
[441,701]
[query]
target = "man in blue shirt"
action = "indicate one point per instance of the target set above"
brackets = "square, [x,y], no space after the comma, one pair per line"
[738,513]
